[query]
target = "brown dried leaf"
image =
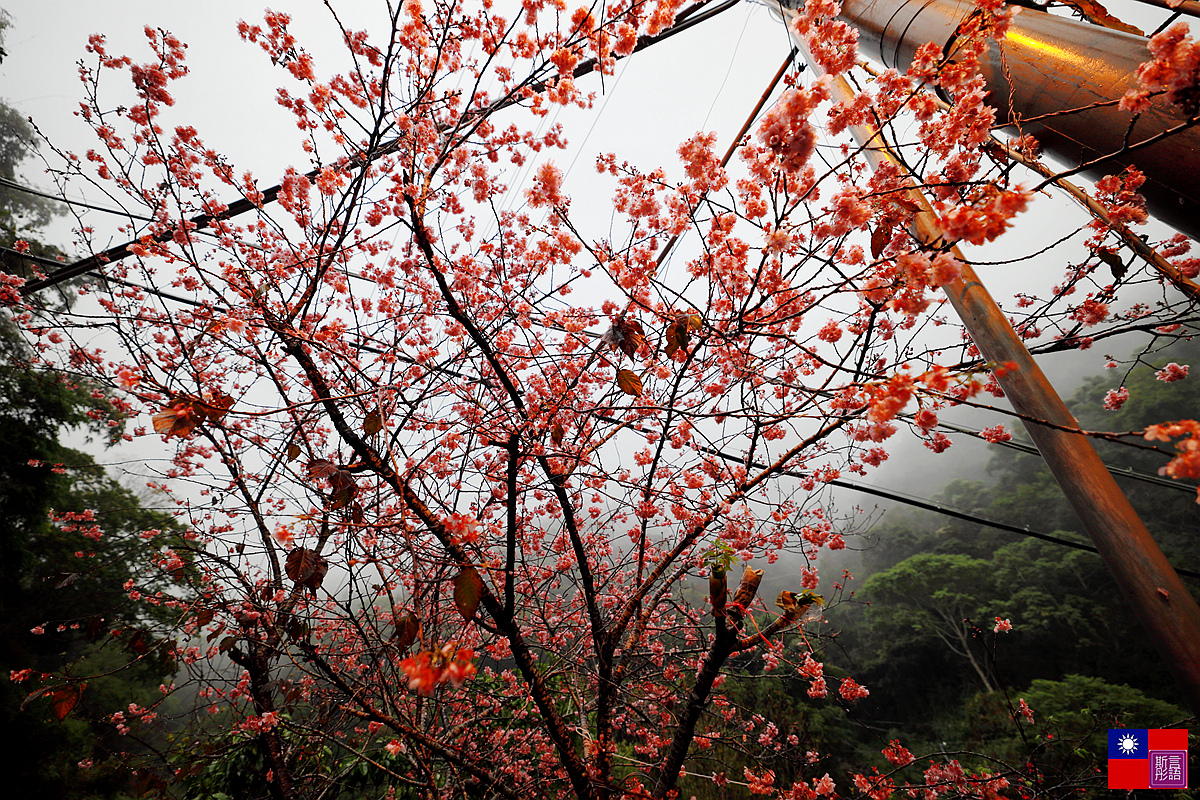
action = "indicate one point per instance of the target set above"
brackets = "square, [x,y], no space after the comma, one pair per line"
[670,337]
[373,424]
[215,406]
[62,579]
[306,567]
[557,433]
[298,629]
[879,239]
[344,489]
[1098,14]
[1114,262]
[627,336]
[678,335]
[468,590]
[718,591]
[293,451]
[408,627]
[320,468]
[630,382]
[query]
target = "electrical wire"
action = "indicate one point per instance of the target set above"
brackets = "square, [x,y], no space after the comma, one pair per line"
[691,17]
[67,201]
[939,508]
[694,15]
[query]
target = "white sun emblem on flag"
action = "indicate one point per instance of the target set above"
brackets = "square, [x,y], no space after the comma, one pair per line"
[1127,744]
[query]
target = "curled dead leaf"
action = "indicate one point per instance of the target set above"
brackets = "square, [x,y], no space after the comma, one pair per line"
[307,568]
[625,335]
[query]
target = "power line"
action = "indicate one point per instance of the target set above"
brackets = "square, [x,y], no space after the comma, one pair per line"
[899,497]
[62,199]
[691,16]
[948,511]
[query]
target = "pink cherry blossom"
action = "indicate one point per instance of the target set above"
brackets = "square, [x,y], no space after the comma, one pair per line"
[1172,372]
[1115,398]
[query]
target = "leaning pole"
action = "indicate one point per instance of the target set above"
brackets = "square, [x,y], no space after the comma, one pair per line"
[891,30]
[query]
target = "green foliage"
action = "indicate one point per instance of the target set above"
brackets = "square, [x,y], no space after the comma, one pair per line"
[1067,739]
[67,580]
[818,726]
[66,577]
[927,574]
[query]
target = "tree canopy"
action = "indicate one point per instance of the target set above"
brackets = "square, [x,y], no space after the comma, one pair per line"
[480,496]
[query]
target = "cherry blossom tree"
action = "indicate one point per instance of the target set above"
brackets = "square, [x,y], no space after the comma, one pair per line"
[483,495]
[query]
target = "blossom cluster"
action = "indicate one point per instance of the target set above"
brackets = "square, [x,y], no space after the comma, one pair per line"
[1175,69]
[1186,464]
[429,669]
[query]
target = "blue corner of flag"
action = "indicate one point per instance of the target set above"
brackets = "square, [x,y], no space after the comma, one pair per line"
[1128,743]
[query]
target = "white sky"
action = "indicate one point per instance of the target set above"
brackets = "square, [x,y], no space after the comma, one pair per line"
[707,78]
[704,79]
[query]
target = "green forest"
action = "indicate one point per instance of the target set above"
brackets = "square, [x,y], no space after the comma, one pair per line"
[917,622]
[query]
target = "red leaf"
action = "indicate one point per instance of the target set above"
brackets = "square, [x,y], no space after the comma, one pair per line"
[468,589]
[62,698]
[65,698]
[138,643]
[306,567]
[179,418]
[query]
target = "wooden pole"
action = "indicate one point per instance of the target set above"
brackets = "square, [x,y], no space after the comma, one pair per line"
[1160,601]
